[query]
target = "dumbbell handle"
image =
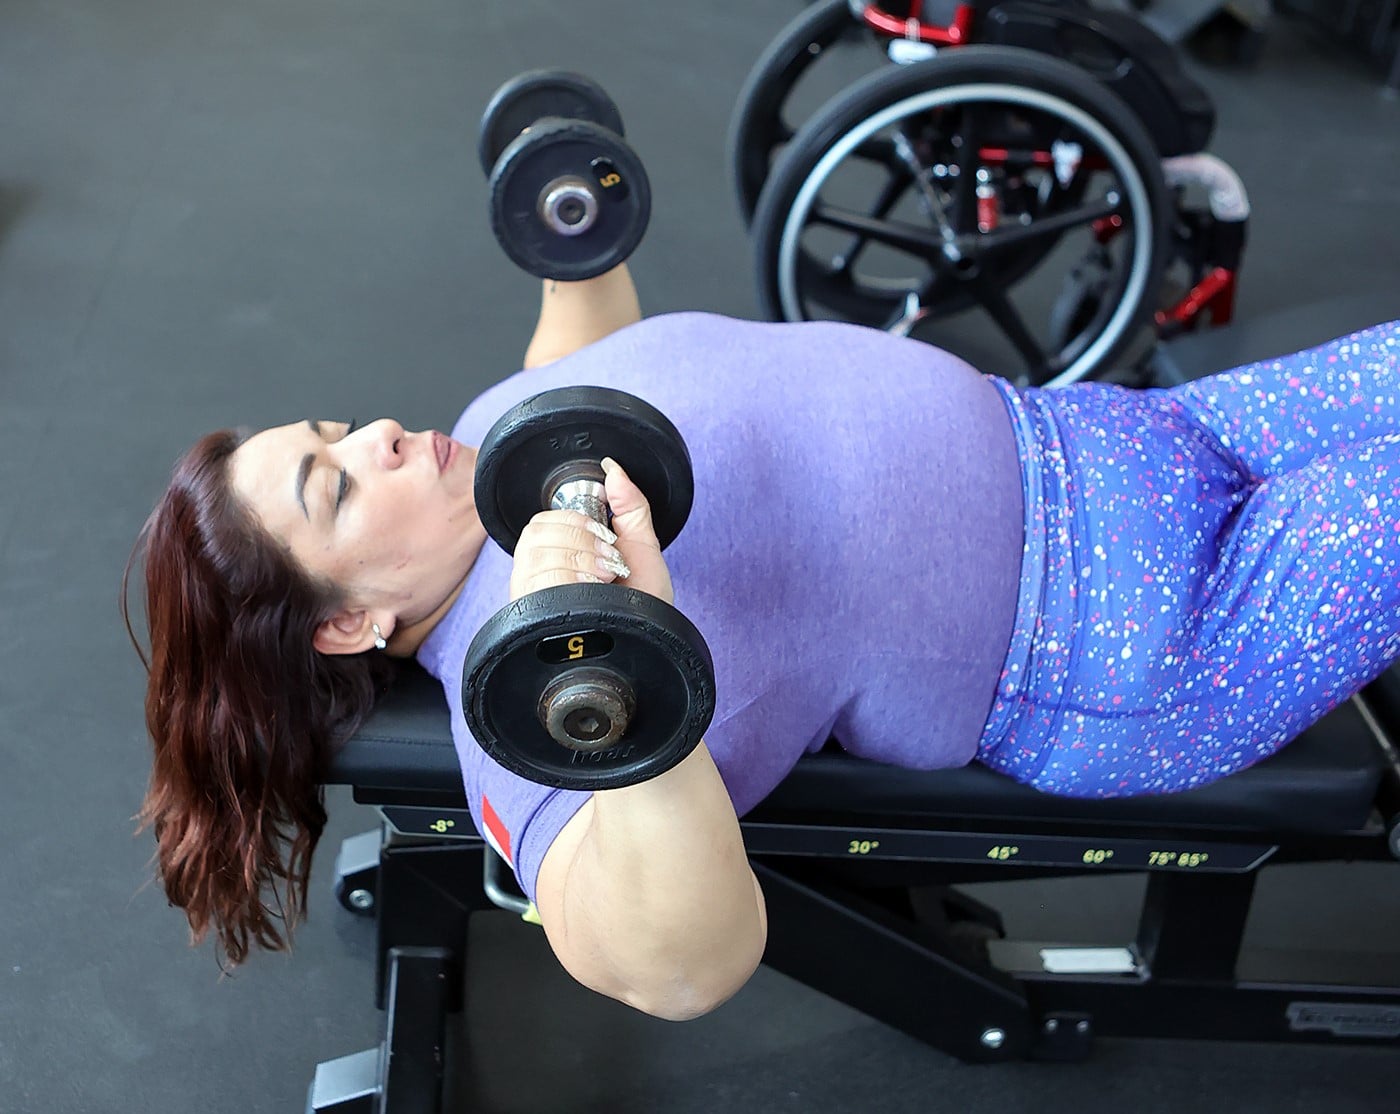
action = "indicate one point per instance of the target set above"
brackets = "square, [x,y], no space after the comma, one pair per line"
[579,486]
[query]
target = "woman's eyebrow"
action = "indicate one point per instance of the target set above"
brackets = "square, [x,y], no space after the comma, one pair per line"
[304,471]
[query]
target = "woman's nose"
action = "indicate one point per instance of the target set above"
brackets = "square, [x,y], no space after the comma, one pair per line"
[388,443]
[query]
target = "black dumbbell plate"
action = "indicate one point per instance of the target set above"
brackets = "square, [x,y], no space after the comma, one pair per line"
[551,151]
[531,440]
[534,95]
[514,658]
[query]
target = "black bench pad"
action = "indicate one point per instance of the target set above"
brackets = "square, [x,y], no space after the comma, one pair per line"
[1325,781]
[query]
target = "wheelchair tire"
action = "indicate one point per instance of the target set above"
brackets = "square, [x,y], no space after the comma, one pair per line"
[762,120]
[1011,95]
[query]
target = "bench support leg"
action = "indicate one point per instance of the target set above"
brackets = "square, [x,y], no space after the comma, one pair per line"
[1193,924]
[404,1075]
[426,894]
[861,954]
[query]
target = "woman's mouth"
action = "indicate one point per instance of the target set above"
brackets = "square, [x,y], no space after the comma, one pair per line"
[446,450]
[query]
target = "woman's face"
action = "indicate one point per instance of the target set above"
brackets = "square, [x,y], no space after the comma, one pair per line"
[387,515]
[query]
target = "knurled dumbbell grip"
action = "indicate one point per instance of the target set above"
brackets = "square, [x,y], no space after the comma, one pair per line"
[584,494]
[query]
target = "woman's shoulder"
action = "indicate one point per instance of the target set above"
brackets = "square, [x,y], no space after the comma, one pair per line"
[626,359]
[687,360]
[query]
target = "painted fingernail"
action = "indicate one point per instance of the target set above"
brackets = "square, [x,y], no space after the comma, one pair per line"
[601,531]
[589,578]
[615,565]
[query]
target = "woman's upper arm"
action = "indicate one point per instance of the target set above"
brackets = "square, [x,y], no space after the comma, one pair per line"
[551,885]
[647,895]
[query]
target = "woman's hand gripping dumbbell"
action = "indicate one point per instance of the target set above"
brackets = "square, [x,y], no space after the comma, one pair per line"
[553,550]
[584,682]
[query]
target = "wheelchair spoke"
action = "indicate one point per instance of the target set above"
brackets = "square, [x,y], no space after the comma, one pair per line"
[1010,236]
[968,141]
[935,200]
[993,299]
[891,192]
[898,235]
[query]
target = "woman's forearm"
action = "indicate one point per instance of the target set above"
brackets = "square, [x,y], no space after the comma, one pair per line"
[575,314]
[660,902]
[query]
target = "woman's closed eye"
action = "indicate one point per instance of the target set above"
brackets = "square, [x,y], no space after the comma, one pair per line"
[342,489]
[343,482]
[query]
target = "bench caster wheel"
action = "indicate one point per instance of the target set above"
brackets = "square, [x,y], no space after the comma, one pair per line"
[357,873]
[357,894]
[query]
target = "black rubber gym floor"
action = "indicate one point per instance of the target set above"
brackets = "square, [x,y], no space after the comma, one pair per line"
[257,210]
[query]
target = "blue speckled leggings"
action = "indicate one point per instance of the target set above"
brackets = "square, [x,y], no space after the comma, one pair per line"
[1208,569]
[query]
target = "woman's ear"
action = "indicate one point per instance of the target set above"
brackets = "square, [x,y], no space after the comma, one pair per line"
[348,632]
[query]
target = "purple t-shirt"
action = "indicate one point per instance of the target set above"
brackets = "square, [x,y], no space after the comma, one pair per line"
[852,557]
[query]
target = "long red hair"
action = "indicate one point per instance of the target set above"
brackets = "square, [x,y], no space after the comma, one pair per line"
[242,710]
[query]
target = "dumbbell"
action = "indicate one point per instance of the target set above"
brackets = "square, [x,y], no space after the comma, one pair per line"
[585,686]
[569,198]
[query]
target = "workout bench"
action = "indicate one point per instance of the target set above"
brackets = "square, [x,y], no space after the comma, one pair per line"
[856,862]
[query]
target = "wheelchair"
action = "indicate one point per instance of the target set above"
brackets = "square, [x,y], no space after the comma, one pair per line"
[1037,164]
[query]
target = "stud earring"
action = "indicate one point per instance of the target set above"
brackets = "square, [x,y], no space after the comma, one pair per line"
[379,642]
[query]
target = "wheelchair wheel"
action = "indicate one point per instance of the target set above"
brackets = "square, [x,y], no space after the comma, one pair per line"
[928,198]
[770,106]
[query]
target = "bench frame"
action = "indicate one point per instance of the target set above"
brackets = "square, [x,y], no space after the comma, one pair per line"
[863,912]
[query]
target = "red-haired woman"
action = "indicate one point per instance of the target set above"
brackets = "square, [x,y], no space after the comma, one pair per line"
[1094,590]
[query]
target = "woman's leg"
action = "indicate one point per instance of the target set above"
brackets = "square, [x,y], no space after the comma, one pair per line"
[1277,415]
[575,314]
[1299,609]
[1192,620]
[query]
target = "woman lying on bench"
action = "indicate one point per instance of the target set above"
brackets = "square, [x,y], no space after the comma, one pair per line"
[1096,591]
